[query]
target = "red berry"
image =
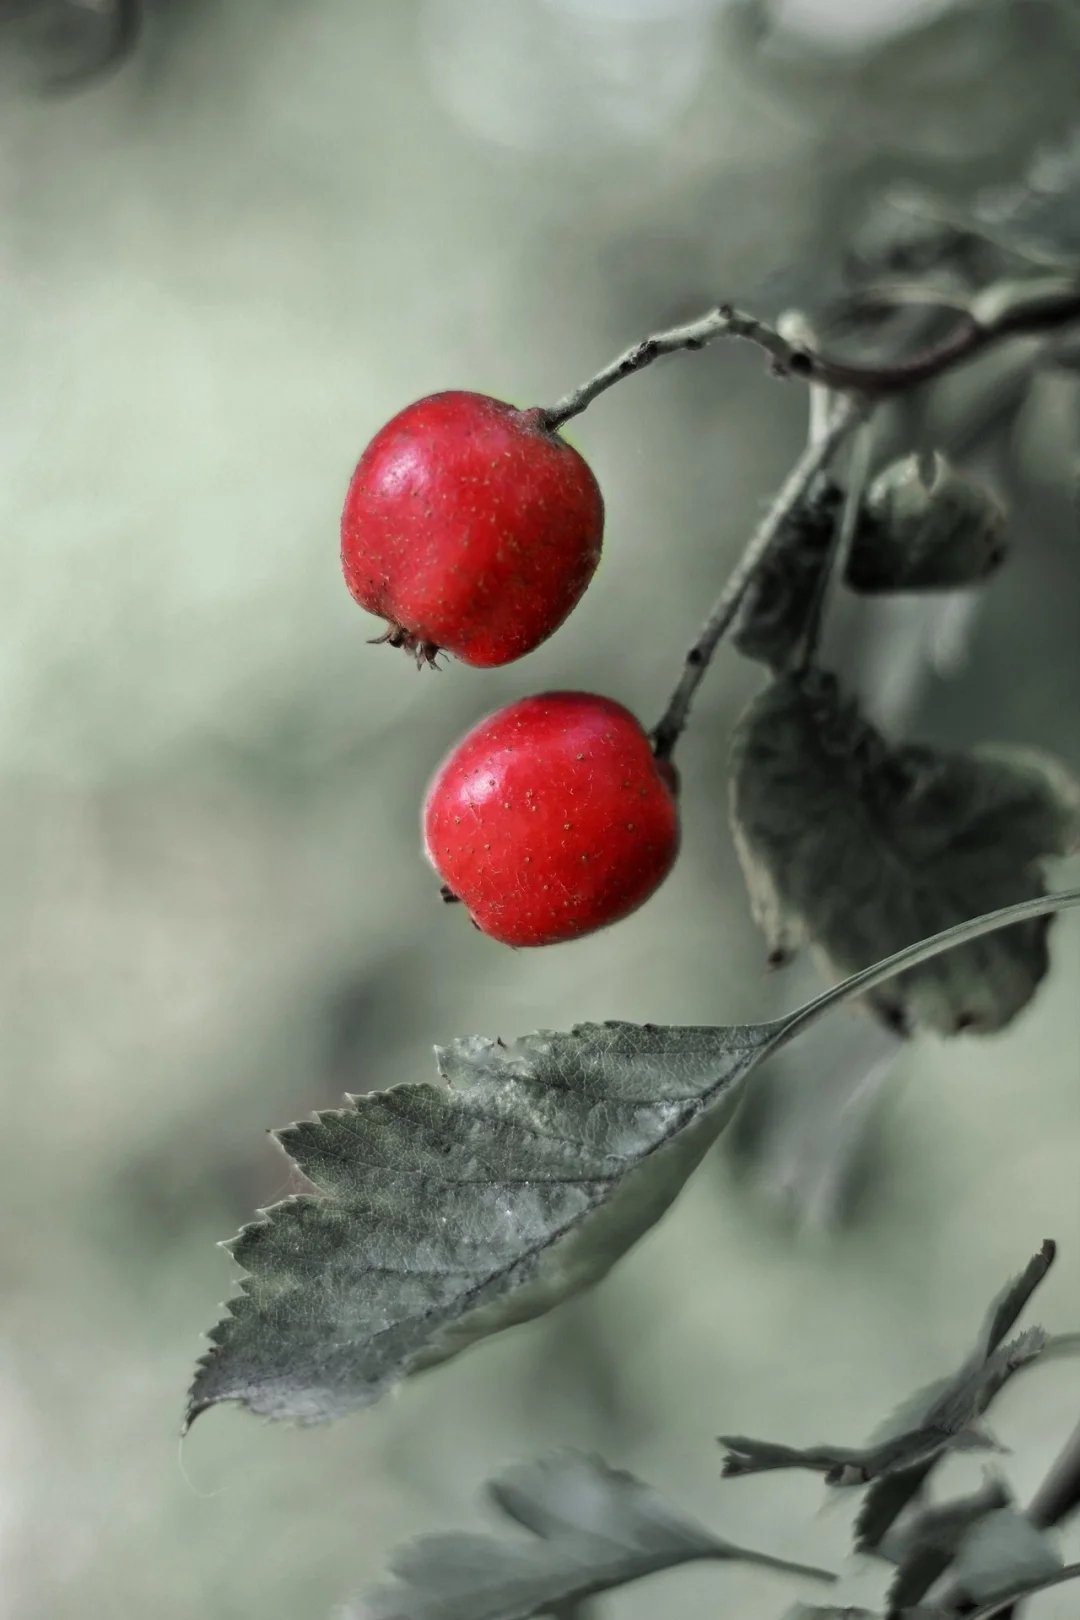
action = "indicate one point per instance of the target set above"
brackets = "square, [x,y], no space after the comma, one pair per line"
[551,819]
[470,526]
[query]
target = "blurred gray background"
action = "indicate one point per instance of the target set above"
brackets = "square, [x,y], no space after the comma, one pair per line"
[223,263]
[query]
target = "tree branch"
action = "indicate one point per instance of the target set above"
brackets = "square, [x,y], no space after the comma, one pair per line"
[1004,309]
[815,457]
[1059,1494]
[843,538]
[788,358]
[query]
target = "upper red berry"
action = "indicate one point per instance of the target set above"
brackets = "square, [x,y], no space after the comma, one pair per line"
[551,818]
[470,526]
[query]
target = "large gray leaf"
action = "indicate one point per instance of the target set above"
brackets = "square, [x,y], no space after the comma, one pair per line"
[593,1529]
[443,1215]
[862,848]
[450,1212]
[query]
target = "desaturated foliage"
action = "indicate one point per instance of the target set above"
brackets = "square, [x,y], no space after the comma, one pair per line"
[595,1529]
[863,848]
[442,1215]
[234,240]
[445,1214]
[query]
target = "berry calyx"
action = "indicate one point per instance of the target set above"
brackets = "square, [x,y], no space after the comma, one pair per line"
[470,527]
[551,819]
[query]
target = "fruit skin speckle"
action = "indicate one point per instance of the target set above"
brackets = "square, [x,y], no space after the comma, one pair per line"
[551,819]
[471,528]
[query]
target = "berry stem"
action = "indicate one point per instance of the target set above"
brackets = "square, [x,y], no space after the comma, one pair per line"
[796,328]
[840,546]
[814,458]
[723,321]
[1003,309]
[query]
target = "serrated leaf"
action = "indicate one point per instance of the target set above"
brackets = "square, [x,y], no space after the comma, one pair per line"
[943,1417]
[448,1215]
[1004,1552]
[445,1215]
[950,1425]
[888,1496]
[451,1213]
[845,1465]
[595,1528]
[1005,1309]
[862,848]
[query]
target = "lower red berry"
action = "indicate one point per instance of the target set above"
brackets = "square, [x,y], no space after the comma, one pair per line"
[470,526]
[551,819]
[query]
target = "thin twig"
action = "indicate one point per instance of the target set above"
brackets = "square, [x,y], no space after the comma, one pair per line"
[1000,311]
[840,547]
[795,328]
[1059,1494]
[822,404]
[813,459]
[724,321]
[1004,309]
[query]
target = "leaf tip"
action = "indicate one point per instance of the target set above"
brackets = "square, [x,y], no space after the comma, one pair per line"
[197,1403]
[194,1409]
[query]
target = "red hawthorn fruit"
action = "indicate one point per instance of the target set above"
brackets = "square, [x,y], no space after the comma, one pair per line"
[471,527]
[552,818]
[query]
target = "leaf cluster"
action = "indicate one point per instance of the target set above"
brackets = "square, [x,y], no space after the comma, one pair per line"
[590,1528]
